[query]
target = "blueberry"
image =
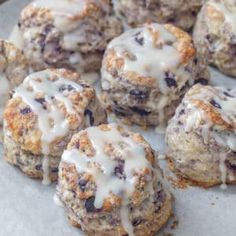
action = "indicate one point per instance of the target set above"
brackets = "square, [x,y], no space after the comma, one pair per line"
[119,169]
[90,115]
[54,170]
[25,110]
[195,60]
[228,95]
[215,104]
[38,167]
[138,94]
[82,184]
[67,87]
[119,111]
[77,145]
[137,221]
[41,101]
[201,81]
[159,198]
[89,205]
[230,165]
[182,112]
[140,111]
[170,82]
[138,39]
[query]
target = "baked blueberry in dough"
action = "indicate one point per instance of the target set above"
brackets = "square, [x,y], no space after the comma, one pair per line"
[40,119]
[110,185]
[201,137]
[215,34]
[181,13]
[146,71]
[67,34]
[13,70]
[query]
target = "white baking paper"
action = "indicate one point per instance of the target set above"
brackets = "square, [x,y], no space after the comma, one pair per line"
[27,207]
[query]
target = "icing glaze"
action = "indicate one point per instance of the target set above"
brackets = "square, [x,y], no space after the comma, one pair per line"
[224,103]
[51,120]
[147,57]
[64,12]
[128,150]
[228,8]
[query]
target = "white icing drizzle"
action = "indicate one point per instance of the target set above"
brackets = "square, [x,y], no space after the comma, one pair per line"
[51,121]
[57,200]
[16,37]
[4,93]
[146,58]
[132,153]
[224,101]
[64,12]
[223,170]
[227,112]
[228,8]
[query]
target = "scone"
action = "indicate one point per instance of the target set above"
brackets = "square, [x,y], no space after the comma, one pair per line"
[110,185]
[181,13]
[70,34]
[146,71]
[13,70]
[215,34]
[40,119]
[201,137]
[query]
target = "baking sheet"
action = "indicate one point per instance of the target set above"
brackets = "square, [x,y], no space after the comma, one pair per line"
[27,207]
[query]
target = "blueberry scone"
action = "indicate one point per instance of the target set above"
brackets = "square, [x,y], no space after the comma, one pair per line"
[201,137]
[70,34]
[215,34]
[110,185]
[13,70]
[181,13]
[146,71]
[40,119]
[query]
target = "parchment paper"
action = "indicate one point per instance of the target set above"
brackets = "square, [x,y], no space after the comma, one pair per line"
[27,207]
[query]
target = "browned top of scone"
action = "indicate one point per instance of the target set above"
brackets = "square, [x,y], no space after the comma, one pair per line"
[217,104]
[13,64]
[107,152]
[219,14]
[40,12]
[152,44]
[52,96]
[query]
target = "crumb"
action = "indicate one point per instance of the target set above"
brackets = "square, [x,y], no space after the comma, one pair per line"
[178,182]
[174,224]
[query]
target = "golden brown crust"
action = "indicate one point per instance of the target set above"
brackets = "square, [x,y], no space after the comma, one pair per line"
[212,113]
[194,182]
[27,124]
[82,142]
[12,62]
[160,220]
[114,63]
[45,15]
[185,43]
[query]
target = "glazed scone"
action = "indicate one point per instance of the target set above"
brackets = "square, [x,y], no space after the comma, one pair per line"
[13,70]
[215,34]
[43,114]
[201,137]
[181,13]
[110,185]
[70,34]
[146,71]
